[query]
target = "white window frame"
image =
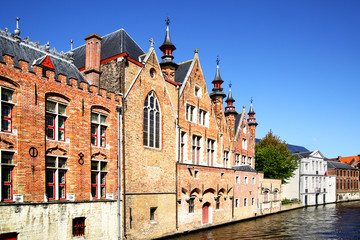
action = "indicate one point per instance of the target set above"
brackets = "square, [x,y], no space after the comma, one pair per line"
[57,170]
[57,116]
[246,180]
[156,109]
[99,125]
[203,117]
[226,159]
[10,104]
[99,171]
[190,113]
[245,202]
[10,165]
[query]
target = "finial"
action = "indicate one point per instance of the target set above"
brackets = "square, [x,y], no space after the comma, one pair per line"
[71,53]
[196,50]
[71,45]
[17,30]
[151,42]
[47,46]
[244,107]
[251,100]
[167,20]
[217,60]
[230,85]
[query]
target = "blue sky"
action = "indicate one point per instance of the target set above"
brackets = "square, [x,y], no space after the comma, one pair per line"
[298,59]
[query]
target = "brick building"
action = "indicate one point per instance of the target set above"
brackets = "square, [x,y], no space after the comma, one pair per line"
[58,146]
[70,120]
[347,180]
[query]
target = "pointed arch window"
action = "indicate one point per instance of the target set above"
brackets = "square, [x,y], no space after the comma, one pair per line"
[151,124]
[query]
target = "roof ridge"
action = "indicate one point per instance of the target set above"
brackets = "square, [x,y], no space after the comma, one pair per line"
[185,62]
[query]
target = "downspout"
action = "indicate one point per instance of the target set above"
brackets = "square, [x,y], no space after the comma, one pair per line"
[178,160]
[118,109]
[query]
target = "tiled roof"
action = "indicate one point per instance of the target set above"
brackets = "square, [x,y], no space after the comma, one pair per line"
[244,168]
[348,160]
[181,71]
[34,53]
[111,45]
[339,165]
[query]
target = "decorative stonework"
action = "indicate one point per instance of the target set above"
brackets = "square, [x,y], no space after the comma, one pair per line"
[99,156]
[9,144]
[56,150]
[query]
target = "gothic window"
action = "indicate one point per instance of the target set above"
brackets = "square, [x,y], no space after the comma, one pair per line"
[151,125]
[266,196]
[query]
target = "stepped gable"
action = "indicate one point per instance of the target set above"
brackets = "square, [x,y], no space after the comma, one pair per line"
[111,45]
[182,71]
[34,53]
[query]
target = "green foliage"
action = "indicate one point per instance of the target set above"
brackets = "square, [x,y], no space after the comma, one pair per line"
[286,201]
[274,159]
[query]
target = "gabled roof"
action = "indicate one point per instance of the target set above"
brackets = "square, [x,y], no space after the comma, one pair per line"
[339,165]
[34,54]
[292,148]
[349,160]
[111,45]
[244,168]
[182,70]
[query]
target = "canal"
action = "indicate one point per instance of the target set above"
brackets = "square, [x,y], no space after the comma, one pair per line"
[331,221]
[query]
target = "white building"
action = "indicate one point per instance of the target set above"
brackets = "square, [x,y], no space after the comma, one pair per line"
[310,183]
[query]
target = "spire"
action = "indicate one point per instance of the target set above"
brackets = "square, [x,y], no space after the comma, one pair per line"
[230,108]
[167,48]
[251,113]
[217,90]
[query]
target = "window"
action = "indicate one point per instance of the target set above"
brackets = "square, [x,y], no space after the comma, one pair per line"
[202,117]
[244,129]
[6,175]
[226,159]
[190,110]
[266,195]
[236,202]
[246,180]
[217,201]
[56,178]
[253,180]
[237,159]
[55,120]
[243,160]
[249,161]
[151,125]
[245,202]
[152,73]
[244,144]
[210,151]
[79,226]
[98,179]
[98,129]
[196,149]
[276,195]
[237,179]
[182,145]
[152,213]
[197,91]
[6,109]
[191,205]
[252,201]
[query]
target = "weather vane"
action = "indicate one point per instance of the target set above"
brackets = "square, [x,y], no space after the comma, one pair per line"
[251,100]
[217,60]
[167,20]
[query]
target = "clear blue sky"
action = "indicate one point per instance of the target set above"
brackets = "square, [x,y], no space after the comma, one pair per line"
[298,59]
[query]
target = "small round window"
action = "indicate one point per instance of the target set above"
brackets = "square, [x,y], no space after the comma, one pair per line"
[152,73]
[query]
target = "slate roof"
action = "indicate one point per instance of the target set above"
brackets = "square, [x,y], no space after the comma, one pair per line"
[29,52]
[111,45]
[182,70]
[237,121]
[339,165]
[244,168]
[304,154]
[292,148]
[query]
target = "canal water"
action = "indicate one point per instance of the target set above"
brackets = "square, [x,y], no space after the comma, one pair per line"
[331,221]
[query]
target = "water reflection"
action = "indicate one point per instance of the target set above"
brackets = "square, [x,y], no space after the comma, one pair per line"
[332,221]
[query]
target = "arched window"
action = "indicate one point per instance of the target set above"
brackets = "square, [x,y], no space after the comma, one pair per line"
[266,196]
[151,125]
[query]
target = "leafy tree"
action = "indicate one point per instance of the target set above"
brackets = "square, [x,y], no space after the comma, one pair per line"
[274,159]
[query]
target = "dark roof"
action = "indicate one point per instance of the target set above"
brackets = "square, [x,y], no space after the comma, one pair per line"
[230,98]
[339,165]
[111,45]
[237,121]
[167,41]
[292,148]
[244,168]
[34,54]
[182,70]
[251,111]
[304,154]
[217,74]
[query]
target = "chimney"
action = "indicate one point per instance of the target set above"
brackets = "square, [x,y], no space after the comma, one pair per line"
[92,59]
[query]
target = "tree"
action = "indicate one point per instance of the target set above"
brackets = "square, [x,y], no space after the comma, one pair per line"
[274,159]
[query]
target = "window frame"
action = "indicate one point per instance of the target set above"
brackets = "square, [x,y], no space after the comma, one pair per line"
[56,120]
[3,184]
[152,121]
[226,159]
[56,184]
[10,104]
[196,149]
[202,117]
[190,113]
[99,173]
[192,205]
[98,126]
[78,226]
[210,151]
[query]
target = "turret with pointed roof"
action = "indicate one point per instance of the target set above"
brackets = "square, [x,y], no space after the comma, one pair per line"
[217,90]
[251,113]
[167,64]
[230,108]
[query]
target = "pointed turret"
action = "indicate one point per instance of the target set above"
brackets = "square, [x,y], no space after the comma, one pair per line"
[167,64]
[230,108]
[251,113]
[217,90]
